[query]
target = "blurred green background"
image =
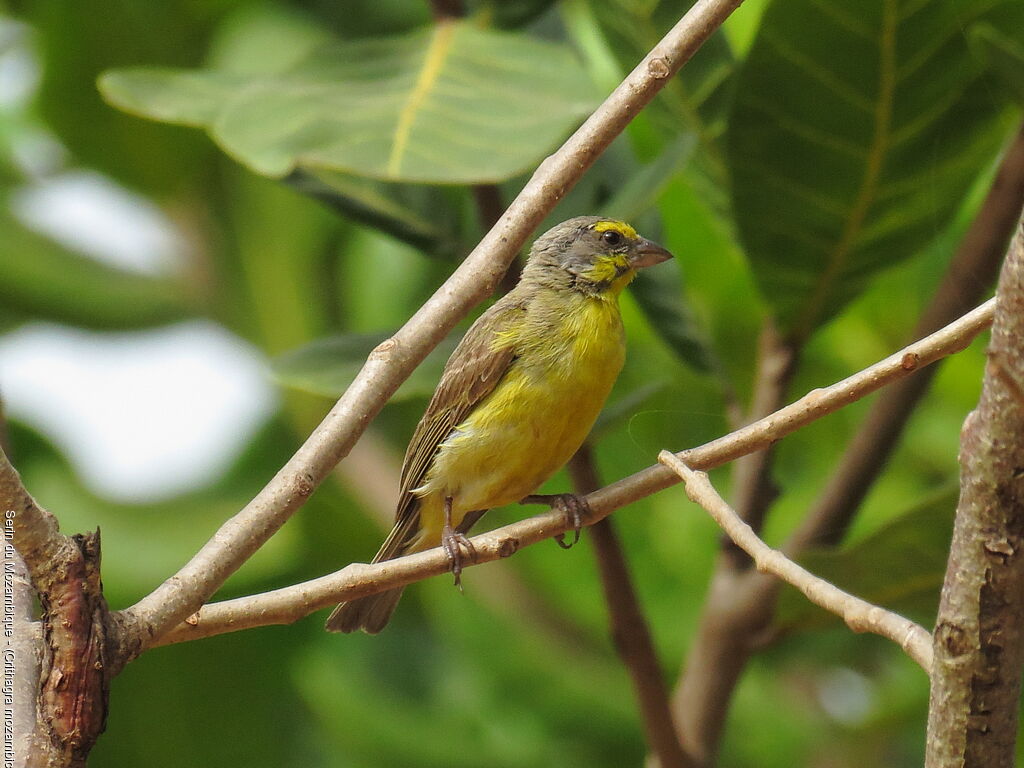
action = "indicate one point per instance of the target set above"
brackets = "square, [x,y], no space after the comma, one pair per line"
[194,256]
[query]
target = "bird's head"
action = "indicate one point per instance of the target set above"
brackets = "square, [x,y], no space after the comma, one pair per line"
[598,255]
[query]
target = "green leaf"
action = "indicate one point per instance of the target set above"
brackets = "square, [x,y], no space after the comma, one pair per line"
[1005,56]
[901,566]
[180,97]
[640,192]
[659,292]
[857,129]
[413,213]
[327,366]
[512,14]
[42,279]
[697,98]
[446,104]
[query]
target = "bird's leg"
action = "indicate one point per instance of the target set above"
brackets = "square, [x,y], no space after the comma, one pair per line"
[452,539]
[575,509]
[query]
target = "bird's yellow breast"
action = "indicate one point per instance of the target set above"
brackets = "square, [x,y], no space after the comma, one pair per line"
[569,353]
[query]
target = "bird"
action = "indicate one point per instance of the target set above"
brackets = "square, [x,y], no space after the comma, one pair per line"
[516,400]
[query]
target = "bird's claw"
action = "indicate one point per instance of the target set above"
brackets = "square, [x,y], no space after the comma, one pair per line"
[575,508]
[453,542]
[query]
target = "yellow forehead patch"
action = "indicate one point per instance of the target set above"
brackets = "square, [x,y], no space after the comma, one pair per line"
[619,226]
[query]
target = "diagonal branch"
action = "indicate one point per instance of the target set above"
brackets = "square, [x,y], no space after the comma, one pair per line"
[284,606]
[388,365]
[859,615]
[754,491]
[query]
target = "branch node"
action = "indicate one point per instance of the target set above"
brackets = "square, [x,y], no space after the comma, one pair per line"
[383,350]
[508,546]
[910,361]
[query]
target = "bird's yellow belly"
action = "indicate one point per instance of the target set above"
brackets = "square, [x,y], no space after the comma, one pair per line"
[530,426]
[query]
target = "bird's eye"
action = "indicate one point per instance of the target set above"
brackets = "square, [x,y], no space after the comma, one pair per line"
[611,237]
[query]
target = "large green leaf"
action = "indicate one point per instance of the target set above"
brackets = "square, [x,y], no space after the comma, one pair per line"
[42,279]
[857,129]
[451,103]
[417,214]
[1005,55]
[659,292]
[694,100]
[901,566]
[327,366]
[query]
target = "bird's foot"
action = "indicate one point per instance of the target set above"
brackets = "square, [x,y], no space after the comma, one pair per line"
[575,509]
[453,542]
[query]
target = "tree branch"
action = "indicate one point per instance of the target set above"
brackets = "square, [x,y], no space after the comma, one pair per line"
[629,629]
[859,615]
[77,657]
[388,365]
[971,272]
[754,490]
[22,655]
[979,638]
[34,531]
[284,606]
[740,605]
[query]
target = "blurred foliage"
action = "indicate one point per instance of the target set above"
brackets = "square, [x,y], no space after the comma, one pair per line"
[815,163]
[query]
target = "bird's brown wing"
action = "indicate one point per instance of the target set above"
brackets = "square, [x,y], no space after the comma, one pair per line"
[472,372]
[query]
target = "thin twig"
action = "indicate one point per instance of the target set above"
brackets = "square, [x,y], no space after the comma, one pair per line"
[629,629]
[979,639]
[859,615]
[284,606]
[971,273]
[754,490]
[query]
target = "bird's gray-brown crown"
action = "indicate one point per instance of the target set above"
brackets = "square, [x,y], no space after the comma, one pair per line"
[594,251]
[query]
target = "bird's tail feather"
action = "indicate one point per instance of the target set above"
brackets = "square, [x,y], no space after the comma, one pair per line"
[370,614]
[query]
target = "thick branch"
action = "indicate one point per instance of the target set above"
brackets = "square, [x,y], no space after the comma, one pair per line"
[22,653]
[971,272]
[859,615]
[393,360]
[979,638]
[629,630]
[284,606]
[34,531]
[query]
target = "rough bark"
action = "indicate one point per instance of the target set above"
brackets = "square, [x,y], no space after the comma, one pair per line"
[979,635]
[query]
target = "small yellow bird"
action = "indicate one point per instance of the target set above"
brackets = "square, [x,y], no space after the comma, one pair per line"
[517,397]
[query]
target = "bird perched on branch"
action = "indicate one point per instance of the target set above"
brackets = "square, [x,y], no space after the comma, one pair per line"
[516,400]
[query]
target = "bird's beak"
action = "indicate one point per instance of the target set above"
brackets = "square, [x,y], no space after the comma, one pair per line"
[647,254]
